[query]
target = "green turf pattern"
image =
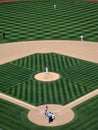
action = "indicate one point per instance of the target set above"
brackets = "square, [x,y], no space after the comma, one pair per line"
[37,20]
[16,117]
[77,78]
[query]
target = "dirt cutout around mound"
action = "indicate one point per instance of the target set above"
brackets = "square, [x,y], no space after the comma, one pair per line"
[63,114]
[82,50]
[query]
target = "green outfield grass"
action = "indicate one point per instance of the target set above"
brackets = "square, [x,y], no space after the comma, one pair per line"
[13,117]
[37,20]
[77,78]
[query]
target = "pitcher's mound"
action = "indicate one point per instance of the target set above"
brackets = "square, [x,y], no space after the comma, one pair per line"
[51,76]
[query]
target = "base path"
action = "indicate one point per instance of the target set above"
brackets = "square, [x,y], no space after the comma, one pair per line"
[37,115]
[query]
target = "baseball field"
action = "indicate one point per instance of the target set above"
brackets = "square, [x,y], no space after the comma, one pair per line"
[39,36]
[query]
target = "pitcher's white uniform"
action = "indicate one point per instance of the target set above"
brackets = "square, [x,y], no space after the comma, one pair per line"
[46,70]
[82,38]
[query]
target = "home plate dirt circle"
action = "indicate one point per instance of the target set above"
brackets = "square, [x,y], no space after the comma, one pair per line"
[62,114]
[51,76]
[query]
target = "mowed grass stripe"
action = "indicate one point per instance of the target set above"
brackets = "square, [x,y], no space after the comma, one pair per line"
[56,67]
[82,89]
[59,61]
[61,93]
[34,93]
[30,62]
[55,94]
[24,96]
[77,90]
[72,90]
[19,92]
[45,93]
[38,61]
[51,65]
[46,60]
[29,94]
[50,94]
[33,63]
[67,92]
[13,91]
[42,63]
[25,61]
[40,89]
[20,62]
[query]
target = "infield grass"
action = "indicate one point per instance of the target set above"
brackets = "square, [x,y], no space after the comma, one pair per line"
[77,78]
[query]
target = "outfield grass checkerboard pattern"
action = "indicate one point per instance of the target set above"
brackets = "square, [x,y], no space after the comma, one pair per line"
[78,77]
[37,20]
